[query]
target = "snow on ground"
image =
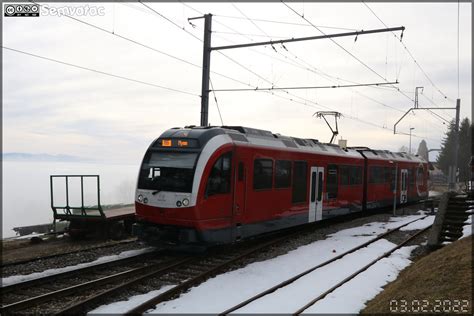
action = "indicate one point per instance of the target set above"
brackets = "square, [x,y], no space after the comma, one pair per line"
[119,308]
[467,229]
[352,296]
[421,224]
[22,278]
[226,290]
[292,297]
[29,236]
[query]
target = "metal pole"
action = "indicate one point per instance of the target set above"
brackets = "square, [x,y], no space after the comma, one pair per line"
[290,40]
[206,62]
[409,148]
[395,190]
[453,180]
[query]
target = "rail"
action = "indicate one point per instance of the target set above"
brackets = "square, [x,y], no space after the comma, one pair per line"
[176,271]
[302,274]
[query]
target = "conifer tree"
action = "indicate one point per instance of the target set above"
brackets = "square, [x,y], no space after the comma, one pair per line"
[465,150]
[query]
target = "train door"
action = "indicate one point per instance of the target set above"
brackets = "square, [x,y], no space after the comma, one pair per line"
[240,195]
[316,194]
[403,185]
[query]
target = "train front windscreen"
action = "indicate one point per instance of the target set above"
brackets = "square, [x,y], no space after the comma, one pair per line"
[168,171]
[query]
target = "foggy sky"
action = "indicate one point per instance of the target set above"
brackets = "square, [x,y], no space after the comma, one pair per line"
[55,109]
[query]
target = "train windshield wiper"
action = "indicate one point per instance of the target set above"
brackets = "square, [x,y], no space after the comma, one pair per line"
[155,192]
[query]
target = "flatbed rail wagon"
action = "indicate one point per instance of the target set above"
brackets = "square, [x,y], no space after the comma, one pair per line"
[104,221]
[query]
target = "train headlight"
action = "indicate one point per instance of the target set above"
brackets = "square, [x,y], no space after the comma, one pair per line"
[185,202]
[178,203]
[140,198]
[145,200]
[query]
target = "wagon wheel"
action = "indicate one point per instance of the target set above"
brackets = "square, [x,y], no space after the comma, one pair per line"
[116,230]
[76,230]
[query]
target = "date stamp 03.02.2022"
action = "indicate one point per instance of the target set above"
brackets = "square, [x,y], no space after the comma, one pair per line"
[430,306]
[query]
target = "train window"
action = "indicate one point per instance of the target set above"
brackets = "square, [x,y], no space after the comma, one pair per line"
[282,174]
[373,174]
[404,181]
[313,186]
[241,171]
[387,174]
[320,186]
[163,171]
[376,174]
[262,174]
[344,175]
[413,176]
[219,180]
[331,184]
[350,175]
[300,185]
[356,175]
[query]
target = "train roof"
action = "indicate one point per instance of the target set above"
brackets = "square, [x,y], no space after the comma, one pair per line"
[377,154]
[241,134]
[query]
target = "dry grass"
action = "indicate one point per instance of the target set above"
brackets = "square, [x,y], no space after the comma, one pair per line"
[445,274]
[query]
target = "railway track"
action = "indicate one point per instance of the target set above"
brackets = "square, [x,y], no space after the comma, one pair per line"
[193,281]
[81,290]
[30,293]
[56,255]
[289,281]
[39,295]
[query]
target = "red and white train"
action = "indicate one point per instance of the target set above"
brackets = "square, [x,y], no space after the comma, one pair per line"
[217,185]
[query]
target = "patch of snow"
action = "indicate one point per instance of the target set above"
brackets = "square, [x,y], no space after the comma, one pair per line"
[121,307]
[421,224]
[350,299]
[295,295]
[22,278]
[226,290]
[434,193]
[467,229]
[28,236]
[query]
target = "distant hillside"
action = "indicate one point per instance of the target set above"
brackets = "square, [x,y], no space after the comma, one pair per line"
[42,157]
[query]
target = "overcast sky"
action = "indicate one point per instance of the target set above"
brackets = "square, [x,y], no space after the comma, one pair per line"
[57,109]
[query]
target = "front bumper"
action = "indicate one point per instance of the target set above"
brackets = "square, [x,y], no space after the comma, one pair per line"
[169,235]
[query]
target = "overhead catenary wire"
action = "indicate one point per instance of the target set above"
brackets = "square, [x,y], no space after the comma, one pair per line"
[339,45]
[285,22]
[306,101]
[458,45]
[217,103]
[255,35]
[439,117]
[99,71]
[287,60]
[306,87]
[436,105]
[318,71]
[410,54]
[233,60]
[352,55]
[170,55]
[303,98]
[356,119]
[147,46]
